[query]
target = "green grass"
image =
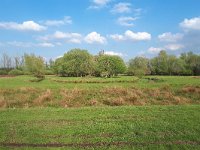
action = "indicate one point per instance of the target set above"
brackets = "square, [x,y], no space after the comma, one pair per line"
[24,81]
[150,127]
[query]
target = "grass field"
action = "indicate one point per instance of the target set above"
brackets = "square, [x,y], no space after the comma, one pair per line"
[152,127]
[50,82]
[76,113]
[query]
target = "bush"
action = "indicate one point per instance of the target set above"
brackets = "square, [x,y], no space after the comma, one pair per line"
[16,72]
[3,72]
[49,72]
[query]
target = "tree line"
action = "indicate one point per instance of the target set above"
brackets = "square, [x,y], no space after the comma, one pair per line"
[79,63]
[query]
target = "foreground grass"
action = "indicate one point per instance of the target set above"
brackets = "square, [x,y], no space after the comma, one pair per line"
[152,127]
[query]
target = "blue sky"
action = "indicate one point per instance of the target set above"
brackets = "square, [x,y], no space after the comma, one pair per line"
[128,28]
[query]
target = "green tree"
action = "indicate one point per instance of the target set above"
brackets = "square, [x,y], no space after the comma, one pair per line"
[34,65]
[192,63]
[159,64]
[138,66]
[76,62]
[110,65]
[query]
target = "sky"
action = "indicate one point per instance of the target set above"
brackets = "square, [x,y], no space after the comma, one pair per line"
[127,28]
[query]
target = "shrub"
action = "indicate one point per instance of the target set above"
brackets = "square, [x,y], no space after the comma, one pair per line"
[3,72]
[49,72]
[16,72]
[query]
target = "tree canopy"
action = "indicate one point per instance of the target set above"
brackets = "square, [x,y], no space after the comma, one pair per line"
[34,65]
[79,62]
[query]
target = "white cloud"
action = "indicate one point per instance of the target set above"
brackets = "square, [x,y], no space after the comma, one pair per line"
[95,37]
[66,20]
[130,35]
[46,45]
[75,41]
[154,49]
[58,35]
[126,21]
[97,4]
[121,8]
[25,26]
[112,53]
[117,37]
[139,36]
[174,47]
[169,37]
[62,35]
[29,44]
[191,24]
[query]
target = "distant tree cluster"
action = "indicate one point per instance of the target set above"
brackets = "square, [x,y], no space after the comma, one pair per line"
[164,64]
[79,63]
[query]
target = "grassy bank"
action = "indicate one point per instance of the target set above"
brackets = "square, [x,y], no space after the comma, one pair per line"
[20,92]
[155,127]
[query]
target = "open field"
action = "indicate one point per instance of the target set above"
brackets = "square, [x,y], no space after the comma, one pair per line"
[75,113]
[20,92]
[54,82]
[146,127]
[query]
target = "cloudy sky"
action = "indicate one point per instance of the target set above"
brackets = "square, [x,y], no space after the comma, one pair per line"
[127,28]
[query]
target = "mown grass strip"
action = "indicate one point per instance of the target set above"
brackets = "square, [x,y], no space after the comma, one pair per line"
[101,127]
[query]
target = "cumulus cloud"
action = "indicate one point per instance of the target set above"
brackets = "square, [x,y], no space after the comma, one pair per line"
[62,35]
[58,35]
[95,37]
[174,47]
[121,8]
[126,21]
[112,53]
[117,37]
[66,20]
[169,37]
[97,4]
[154,49]
[25,26]
[191,24]
[171,47]
[139,36]
[75,38]
[132,36]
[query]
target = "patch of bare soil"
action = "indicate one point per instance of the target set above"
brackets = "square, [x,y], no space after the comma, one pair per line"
[98,144]
[7,76]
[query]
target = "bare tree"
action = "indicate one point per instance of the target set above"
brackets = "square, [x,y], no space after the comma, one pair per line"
[6,61]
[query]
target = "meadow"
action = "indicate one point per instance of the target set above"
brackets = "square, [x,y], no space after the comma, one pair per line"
[155,112]
[124,127]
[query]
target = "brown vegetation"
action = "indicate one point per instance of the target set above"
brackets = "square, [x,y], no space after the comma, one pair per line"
[111,96]
[191,89]
[44,97]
